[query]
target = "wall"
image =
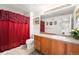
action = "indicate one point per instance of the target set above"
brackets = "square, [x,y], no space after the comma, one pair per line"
[31,24]
[36,26]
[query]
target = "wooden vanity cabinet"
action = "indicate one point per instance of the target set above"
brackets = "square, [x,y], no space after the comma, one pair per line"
[57,47]
[45,45]
[49,46]
[37,42]
[41,44]
[72,49]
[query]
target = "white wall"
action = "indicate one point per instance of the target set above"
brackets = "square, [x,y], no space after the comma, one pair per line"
[37,26]
[34,28]
[31,24]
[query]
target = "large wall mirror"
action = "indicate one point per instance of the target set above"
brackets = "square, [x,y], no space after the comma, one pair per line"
[77,19]
[60,25]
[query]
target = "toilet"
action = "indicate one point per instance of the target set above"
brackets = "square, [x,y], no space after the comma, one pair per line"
[30,42]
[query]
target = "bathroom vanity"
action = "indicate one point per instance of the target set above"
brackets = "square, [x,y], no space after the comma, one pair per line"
[59,22]
[56,45]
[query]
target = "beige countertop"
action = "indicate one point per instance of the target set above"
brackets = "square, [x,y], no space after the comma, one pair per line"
[61,38]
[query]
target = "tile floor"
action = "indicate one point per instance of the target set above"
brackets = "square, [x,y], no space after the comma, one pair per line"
[21,50]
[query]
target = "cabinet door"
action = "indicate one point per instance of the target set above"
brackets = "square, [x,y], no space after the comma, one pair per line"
[37,42]
[44,45]
[73,49]
[57,48]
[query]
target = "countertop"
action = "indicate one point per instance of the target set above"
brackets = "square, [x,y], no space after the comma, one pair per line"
[61,38]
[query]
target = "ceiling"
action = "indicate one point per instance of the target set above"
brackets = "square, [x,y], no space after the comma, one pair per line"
[31,7]
[36,7]
[26,8]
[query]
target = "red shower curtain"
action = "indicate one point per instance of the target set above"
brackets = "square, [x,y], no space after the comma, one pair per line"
[42,26]
[3,35]
[14,30]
